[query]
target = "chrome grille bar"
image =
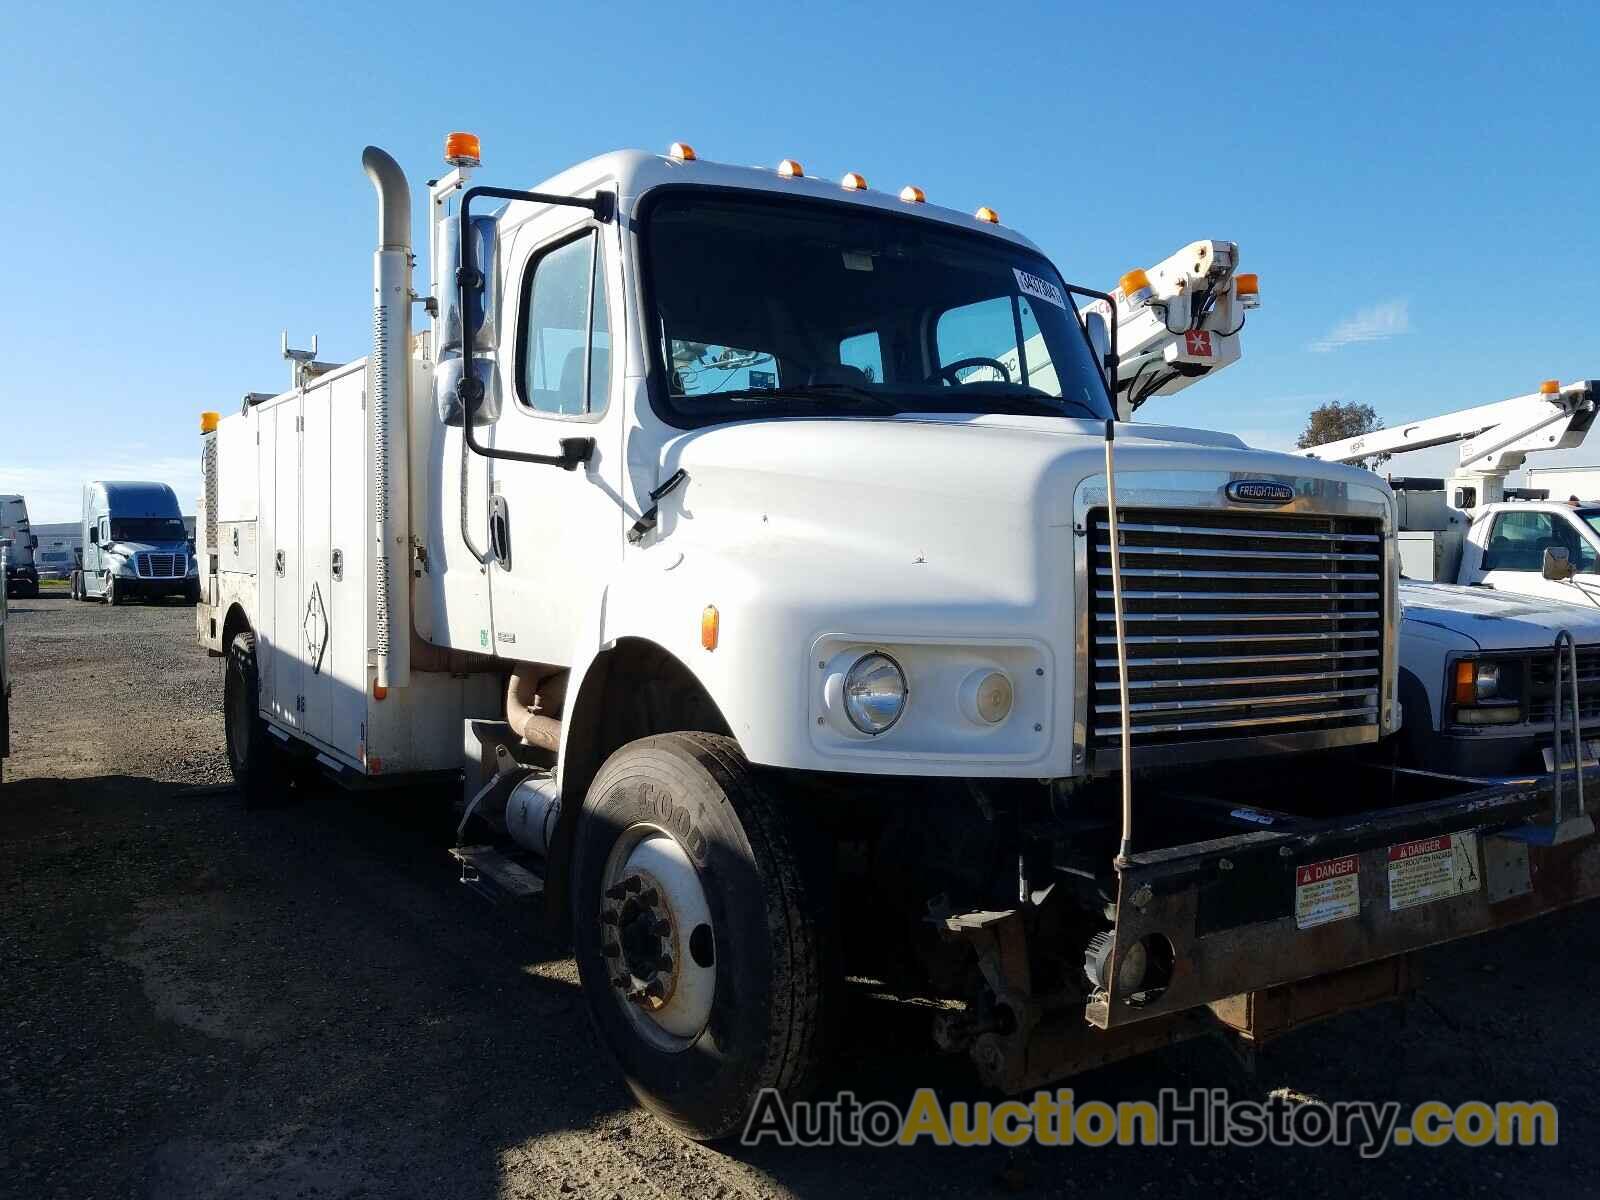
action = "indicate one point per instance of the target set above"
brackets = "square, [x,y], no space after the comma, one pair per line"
[1221,638]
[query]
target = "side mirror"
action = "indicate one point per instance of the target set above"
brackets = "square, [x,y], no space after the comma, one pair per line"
[1557,564]
[452,322]
[33,542]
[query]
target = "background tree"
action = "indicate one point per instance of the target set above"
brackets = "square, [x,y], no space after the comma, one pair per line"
[1335,422]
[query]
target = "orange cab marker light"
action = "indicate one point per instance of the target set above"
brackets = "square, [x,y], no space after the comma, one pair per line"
[790,168]
[912,194]
[209,421]
[988,214]
[379,692]
[853,181]
[1550,387]
[463,150]
[681,151]
[1247,285]
[1466,688]
[710,627]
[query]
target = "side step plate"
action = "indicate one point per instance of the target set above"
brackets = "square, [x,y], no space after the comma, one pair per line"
[495,877]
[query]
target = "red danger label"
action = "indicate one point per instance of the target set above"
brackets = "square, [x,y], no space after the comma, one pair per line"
[1407,850]
[1198,342]
[1332,869]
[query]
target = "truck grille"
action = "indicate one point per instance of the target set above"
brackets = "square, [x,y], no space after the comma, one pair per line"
[1541,690]
[1238,624]
[161,566]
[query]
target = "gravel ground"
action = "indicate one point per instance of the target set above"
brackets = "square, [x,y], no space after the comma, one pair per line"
[196,1001]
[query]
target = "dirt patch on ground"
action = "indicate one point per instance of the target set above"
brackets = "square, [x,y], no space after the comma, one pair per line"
[198,1001]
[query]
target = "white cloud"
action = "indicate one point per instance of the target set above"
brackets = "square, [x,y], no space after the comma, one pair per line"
[1375,324]
[54,490]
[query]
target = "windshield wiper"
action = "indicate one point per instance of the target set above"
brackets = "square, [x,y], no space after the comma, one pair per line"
[812,393]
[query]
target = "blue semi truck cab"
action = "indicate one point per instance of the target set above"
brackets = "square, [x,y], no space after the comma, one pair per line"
[135,544]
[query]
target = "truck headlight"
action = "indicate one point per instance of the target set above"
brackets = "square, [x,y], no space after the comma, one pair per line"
[1486,693]
[874,693]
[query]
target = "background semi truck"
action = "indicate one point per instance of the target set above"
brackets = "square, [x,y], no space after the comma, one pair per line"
[22,574]
[745,544]
[135,545]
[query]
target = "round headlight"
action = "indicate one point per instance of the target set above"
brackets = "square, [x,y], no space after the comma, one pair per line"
[874,693]
[986,697]
[1487,684]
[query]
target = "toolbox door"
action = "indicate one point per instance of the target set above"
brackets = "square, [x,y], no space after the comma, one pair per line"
[316,575]
[283,565]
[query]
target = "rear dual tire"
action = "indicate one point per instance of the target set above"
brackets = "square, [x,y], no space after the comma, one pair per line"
[253,755]
[680,833]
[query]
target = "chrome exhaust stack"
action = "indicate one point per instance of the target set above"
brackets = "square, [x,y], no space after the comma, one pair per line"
[389,391]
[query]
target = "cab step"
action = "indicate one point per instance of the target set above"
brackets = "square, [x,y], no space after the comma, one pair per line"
[496,877]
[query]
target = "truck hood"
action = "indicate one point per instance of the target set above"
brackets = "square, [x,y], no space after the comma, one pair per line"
[1497,620]
[964,495]
[148,547]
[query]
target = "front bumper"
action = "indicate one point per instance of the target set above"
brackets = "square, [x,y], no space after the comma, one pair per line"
[151,589]
[1489,752]
[1234,915]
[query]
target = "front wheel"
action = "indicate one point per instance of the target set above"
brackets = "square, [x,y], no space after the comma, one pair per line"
[701,915]
[112,594]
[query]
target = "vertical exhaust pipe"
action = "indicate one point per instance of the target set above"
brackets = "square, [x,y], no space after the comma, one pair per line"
[389,393]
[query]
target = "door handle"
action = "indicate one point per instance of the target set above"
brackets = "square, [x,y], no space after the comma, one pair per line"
[500,531]
[338,565]
[278,561]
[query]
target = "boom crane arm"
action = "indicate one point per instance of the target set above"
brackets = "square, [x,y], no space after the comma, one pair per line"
[1495,438]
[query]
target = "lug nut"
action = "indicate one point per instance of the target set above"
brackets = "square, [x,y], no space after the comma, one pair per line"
[655,989]
[661,928]
[649,898]
[633,883]
[664,963]
[616,892]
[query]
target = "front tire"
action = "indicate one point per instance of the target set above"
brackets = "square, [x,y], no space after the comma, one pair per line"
[255,761]
[702,926]
[112,594]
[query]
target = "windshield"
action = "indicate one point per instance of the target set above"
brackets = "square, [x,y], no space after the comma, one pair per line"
[148,529]
[784,308]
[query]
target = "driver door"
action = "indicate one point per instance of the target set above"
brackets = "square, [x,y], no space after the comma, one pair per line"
[557,535]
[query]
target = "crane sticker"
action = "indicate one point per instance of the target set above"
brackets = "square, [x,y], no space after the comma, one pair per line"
[1430,869]
[1197,343]
[1327,891]
[1039,289]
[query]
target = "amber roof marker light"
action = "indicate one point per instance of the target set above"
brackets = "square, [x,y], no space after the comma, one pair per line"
[463,150]
[682,152]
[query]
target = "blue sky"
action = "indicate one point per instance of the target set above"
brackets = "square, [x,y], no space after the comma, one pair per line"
[1416,185]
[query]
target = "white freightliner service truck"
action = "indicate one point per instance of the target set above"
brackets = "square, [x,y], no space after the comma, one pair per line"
[746,543]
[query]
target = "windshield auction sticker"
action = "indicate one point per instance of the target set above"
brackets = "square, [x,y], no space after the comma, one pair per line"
[1430,869]
[1040,289]
[1327,891]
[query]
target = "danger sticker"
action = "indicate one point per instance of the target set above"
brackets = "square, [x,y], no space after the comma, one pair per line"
[1197,342]
[1040,289]
[1431,869]
[1327,891]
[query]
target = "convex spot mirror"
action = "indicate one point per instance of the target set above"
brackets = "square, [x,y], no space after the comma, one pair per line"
[481,314]
[1557,564]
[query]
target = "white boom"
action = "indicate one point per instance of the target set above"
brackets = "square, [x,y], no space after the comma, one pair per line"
[1177,321]
[1495,439]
